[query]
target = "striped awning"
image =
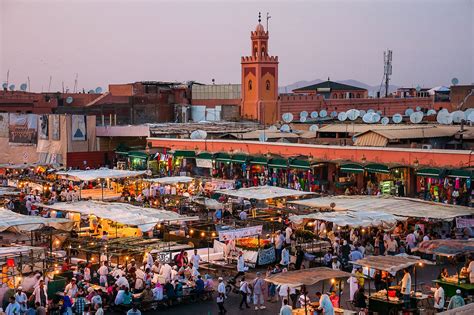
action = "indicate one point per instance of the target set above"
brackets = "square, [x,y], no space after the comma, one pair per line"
[352,168]
[377,168]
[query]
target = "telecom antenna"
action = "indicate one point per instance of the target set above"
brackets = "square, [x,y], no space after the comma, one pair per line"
[268,18]
[387,60]
[75,83]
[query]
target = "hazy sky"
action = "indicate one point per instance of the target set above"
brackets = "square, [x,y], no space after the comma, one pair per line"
[107,41]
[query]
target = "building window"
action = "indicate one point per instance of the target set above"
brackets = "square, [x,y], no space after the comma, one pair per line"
[267,85]
[358,95]
[342,95]
[335,95]
[250,85]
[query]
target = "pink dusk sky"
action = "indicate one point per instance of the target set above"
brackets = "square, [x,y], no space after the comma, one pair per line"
[106,41]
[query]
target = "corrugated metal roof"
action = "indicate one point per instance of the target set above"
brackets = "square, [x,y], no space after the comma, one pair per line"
[371,139]
[413,133]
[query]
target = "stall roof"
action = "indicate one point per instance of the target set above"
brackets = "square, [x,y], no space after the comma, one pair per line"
[351,218]
[18,223]
[306,276]
[446,247]
[467,309]
[100,173]
[17,250]
[263,192]
[173,180]
[208,202]
[389,263]
[8,191]
[143,218]
[402,207]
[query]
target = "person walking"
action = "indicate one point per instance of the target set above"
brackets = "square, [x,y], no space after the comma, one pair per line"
[286,309]
[258,292]
[245,291]
[220,303]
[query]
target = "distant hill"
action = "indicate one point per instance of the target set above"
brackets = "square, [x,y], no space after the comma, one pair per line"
[373,89]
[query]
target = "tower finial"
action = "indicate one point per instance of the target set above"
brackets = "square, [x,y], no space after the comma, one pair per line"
[259,17]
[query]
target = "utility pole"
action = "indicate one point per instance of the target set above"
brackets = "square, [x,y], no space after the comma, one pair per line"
[387,58]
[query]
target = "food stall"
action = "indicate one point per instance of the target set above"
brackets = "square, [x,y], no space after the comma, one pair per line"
[450,249]
[386,300]
[308,277]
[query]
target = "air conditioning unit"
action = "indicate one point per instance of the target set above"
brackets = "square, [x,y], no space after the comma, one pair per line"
[426,147]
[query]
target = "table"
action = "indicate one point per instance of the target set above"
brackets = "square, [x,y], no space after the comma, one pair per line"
[384,306]
[340,311]
[451,287]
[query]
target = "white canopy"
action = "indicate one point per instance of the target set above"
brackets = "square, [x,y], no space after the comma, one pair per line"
[18,223]
[173,180]
[8,191]
[101,173]
[263,192]
[143,218]
[440,88]
[17,250]
[350,218]
[207,202]
[402,207]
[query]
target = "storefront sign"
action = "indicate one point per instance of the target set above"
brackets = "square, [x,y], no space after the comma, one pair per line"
[22,129]
[463,223]
[79,128]
[240,233]
[204,163]
[266,256]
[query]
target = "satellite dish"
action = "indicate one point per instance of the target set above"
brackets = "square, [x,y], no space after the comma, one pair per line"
[323,113]
[408,112]
[315,128]
[352,114]
[69,99]
[287,117]
[342,116]
[370,111]
[458,116]
[273,128]
[385,121]
[397,118]
[4,86]
[468,111]
[362,113]
[418,88]
[418,108]
[12,87]
[416,117]
[91,92]
[367,118]
[23,87]
[430,112]
[98,90]
[198,134]
[375,117]
[314,114]
[454,81]
[471,117]
[262,137]
[302,119]
[333,114]
[285,128]
[304,114]
[379,112]
[444,118]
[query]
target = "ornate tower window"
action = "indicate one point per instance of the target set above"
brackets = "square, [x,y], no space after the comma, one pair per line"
[250,85]
[267,85]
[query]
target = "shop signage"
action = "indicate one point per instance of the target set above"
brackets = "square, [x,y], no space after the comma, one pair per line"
[204,163]
[463,223]
[240,233]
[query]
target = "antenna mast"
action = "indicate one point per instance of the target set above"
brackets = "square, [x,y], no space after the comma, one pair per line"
[75,83]
[268,18]
[387,59]
[29,86]
[49,86]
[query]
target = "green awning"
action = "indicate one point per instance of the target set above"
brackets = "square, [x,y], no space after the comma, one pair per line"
[259,160]
[429,172]
[138,154]
[222,157]
[278,163]
[462,173]
[352,168]
[205,156]
[184,153]
[300,163]
[121,152]
[240,158]
[377,168]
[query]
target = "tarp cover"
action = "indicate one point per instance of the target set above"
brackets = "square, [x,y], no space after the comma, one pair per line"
[19,223]
[101,173]
[402,207]
[173,180]
[17,250]
[209,203]
[143,218]
[306,276]
[9,191]
[350,218]
[389,263]
[446,247]
[263,192]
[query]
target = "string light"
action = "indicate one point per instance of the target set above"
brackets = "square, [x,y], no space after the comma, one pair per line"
[203,234]
[213,234]
[191,232]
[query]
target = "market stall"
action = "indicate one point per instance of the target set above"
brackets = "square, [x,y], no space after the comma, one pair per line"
[386,301]
[17,261]
[13,222]
[263,193]
[450,249]
[308,277]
